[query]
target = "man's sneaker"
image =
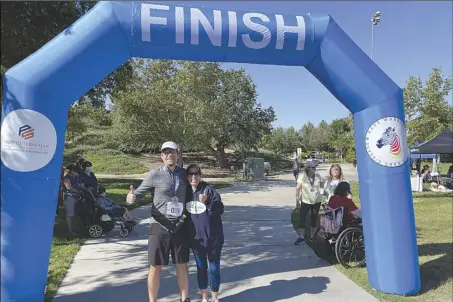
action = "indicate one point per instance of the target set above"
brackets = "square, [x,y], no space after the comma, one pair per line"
[187,300]
[299,241]
[204,300]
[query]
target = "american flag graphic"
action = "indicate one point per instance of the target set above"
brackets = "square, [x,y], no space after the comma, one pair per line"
[395,146]
[26,132]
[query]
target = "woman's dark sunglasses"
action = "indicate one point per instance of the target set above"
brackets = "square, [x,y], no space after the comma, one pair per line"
[193,173]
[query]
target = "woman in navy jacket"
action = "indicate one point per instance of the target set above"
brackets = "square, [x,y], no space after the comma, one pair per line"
[205,208]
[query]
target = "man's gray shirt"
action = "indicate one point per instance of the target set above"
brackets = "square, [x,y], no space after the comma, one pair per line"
[164,185]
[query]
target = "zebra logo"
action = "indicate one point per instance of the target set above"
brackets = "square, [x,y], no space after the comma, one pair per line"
[386,142]
[390,137]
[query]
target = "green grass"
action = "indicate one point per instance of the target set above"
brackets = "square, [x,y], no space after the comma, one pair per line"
[98,146]
[65,247]
[433,212]
[107,161]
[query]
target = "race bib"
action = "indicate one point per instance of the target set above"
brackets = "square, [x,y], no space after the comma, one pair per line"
[195,207]
[175,209]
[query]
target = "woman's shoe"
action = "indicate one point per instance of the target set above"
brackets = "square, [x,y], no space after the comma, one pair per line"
[299,241]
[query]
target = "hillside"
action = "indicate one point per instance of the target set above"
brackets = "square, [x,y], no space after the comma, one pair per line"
[96,146]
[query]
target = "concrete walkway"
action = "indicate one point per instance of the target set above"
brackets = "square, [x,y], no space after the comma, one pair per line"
[259,261]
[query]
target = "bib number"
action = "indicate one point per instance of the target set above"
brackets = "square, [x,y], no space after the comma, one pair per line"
[175,209]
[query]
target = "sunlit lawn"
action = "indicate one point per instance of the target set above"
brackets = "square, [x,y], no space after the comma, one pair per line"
[433,212]
[65,247]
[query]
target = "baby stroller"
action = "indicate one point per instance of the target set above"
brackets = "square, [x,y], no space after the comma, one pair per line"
[92,215]
[114,215]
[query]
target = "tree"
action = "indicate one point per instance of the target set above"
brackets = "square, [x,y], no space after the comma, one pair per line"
[237,119]
[197,85]
[282,141]
[143,115]
[341,135]
[304,133]
[274,141]
[427,111]
[318,138]
[196,104]
[27,26]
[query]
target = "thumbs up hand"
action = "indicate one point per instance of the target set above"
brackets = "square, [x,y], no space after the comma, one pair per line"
[131,197]
[204,196]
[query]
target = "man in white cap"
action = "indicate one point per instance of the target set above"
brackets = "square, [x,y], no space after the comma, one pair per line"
[167,232]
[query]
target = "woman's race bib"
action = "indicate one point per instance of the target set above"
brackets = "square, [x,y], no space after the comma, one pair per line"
[175,209]
[195,207]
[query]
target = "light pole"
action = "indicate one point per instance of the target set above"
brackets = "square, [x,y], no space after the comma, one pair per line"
[375,19]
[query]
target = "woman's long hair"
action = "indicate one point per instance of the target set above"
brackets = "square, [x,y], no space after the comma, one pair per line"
[337,166]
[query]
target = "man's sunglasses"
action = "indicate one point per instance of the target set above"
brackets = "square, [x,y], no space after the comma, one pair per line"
[168,151]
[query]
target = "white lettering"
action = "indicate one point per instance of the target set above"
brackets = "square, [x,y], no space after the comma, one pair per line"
[213,27]
[232,29]
[147,20]
[214,32]
[179,17]
[282,29]
[247,18]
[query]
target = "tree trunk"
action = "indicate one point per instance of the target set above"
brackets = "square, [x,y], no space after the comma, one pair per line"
[221,157]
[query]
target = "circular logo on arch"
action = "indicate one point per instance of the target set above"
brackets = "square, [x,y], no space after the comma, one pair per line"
[386,142]
[29,140]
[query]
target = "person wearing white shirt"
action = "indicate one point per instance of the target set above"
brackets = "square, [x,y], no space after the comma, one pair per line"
[308,198]
[332,181]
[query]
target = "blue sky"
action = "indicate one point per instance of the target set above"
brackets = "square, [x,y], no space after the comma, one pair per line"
[413,37]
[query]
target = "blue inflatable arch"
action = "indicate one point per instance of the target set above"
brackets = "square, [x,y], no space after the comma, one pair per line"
[39,90]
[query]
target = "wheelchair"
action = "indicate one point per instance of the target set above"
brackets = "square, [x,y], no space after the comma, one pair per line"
[346,247]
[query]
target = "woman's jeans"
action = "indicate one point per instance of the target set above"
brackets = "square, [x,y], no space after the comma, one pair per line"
[313,209]
[208,258]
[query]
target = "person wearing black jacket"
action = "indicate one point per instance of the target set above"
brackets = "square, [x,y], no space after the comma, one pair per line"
[87,177]
[205,207]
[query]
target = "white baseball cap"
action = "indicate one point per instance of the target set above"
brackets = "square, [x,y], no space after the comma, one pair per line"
[311,164]
[169,145]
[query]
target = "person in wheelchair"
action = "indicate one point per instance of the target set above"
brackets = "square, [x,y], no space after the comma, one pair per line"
[340,236]
[340,199]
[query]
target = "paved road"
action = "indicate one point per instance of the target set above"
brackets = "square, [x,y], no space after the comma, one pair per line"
[259,261]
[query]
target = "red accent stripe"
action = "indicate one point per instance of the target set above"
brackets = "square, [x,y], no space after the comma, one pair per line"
[28,133]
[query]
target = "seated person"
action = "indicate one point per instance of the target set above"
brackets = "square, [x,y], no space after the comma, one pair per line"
[340,199]
[113,209]
[450,172]
[426,174]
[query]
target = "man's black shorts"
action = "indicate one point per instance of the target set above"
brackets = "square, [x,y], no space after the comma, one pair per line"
[161,243]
